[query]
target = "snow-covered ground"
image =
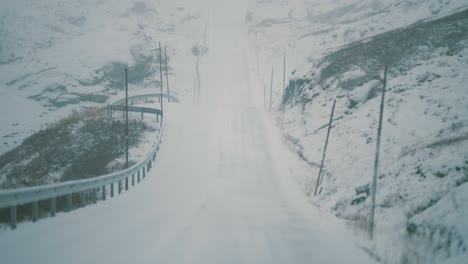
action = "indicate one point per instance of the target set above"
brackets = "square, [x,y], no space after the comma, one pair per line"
[306,30]
[220,192]
[424,150]
[222,189]
[59,55]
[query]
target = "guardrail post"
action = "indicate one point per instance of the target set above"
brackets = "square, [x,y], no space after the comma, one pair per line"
[138,176]
[69,202]
[141,114]
[103,192]
[157,118]
[13,217]
[35,210]
[112,190]
[120,186]
[83,198]
[53,206]
[133,179]
[144,172]
[126,184]
[94,195]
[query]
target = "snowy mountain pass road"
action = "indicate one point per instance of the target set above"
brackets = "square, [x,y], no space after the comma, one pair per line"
[222,189]
[219,193]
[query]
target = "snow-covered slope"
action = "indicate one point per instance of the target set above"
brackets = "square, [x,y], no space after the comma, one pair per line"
[220,191]
[55,54]
[424,155]
[305,30]
[58,55]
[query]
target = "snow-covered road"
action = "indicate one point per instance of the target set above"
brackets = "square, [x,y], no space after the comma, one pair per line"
[222,190]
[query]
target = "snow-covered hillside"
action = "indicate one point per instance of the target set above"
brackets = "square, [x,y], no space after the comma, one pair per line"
[58,55]
[305,30]
[82,145]
[336,50]
[220,190]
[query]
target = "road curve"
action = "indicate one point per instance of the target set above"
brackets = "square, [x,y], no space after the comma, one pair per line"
[222,189]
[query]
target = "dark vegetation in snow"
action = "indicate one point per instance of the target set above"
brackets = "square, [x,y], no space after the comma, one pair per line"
[419,182]
[77,147]
[83,145]
[399,49]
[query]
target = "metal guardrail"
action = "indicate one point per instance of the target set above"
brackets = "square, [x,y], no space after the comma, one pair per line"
[32,195]
[171,98]
[136,109]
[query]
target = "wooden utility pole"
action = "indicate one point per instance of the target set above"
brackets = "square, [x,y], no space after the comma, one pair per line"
[206,26]
[325,148]
[126,118]
[376,161]
[271,86]
[195,89]
[198,79]
[167,73]
[256,51]
[284,78]
[160,71]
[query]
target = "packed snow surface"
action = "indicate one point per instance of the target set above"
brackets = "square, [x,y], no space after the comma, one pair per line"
[222,189]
